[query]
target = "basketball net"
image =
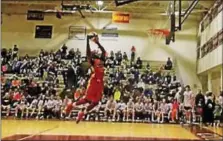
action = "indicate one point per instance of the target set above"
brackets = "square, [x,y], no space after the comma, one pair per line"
[156,35]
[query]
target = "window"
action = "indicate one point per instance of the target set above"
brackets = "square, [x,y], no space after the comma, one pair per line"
[43,31]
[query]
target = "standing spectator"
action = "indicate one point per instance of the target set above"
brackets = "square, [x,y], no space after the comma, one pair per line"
[187,103]
[133,52]
[4,53]
[64,51]
[169,64]
[15,52]
[209,110]
[9,54]
[217,113]
[174,111]
[221,103]
[199,103]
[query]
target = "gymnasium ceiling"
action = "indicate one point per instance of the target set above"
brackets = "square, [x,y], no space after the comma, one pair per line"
[140,9]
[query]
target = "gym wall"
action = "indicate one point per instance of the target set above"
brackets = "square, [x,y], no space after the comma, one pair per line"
[17,30]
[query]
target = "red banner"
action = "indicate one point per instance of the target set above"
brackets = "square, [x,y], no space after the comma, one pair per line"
[118,17]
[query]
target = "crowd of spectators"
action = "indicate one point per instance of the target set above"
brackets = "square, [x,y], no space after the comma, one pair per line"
[133,91]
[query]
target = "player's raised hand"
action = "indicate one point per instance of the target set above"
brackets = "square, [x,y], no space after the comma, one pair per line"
[93,36]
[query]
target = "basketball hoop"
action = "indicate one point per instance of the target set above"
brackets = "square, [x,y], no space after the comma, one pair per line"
[155,35]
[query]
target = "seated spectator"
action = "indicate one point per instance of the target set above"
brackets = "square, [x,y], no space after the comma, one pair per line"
[148,108]
[48,108]
[6,103]
[119,57]
[110,109]
[21,107]
[168,65]
[148,66]
[15,52]
[141,85]
[125,57]
[117,95]
[139,63]
[130,110]
[139,110]
[165,110]
[32,107]
[112,56]
[57,109]
[156,113]
[121,110]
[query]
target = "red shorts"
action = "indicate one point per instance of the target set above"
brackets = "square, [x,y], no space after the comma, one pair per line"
[94,91]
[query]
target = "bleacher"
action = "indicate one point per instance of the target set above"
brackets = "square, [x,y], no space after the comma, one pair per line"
[154,65]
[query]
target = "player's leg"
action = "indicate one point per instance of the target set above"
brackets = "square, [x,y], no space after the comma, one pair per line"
[84,111]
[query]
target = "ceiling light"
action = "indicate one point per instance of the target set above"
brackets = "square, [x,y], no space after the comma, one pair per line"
[99,3]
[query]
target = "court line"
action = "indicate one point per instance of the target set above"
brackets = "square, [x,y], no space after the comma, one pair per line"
[30,136]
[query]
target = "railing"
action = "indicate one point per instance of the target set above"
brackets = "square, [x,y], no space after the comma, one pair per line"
[210,45]
[212,13]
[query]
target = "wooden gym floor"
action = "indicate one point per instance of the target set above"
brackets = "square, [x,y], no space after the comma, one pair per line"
[69,130]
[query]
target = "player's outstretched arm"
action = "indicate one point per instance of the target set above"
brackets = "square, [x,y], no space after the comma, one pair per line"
[100,47]
[88,50]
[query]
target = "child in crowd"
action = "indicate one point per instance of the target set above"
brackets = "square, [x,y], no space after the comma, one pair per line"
[174,111]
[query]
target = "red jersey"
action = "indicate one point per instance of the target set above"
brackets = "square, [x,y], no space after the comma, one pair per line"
[96,85]
[98,72]
[175,105]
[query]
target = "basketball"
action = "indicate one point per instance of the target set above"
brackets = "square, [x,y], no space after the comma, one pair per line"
[93,36]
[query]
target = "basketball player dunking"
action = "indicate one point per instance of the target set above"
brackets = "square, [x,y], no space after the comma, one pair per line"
[95,84]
